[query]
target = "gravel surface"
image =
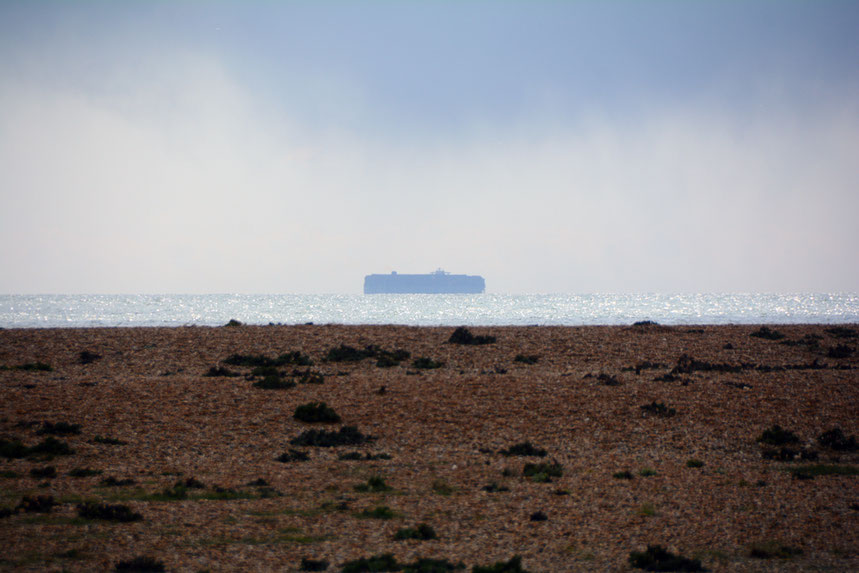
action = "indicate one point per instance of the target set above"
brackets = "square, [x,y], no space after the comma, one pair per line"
[699,481]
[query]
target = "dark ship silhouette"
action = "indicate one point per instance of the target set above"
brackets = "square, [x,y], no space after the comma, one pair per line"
[438,282]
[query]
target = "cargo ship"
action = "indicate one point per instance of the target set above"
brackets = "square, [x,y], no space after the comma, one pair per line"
[439,282]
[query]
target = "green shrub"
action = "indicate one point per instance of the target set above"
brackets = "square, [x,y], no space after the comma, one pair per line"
[622,475]
[380,512]
[778,436]
[107,512]
[141,564]
[111,481]
[463,336]
[424,363]
[346,436]
[374,484]
[50,447]
[316,412]
[512,566]
[34,367]
[646,472]
[693,463]
[525,449]
[542,472]
[493,487]
[422,532]
[345,353]
[59,429]
[530,359]
[657,558]
[13,449]
[811,471]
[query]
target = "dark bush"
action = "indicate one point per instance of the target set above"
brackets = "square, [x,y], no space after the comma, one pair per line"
[355,456]
[494,488]
[542,472]
[46,472]
[274,382]
[59,429]
[463,336]
[608,380]
[835,439]
[512,566]
[293,456]
[346,436]
[767,334]
[345,353]
[35,367]
[36,504]
[83,472]
[107,512]
[524,449]
[424,363]
[539,516]
[840,351]
[384,562]
[387,359]
[140,564]
[51,446]
[778,436]
[380,512]
[622,475]
[529,359]
[659,409]
[316,412]
[87,357]
[374,484]
[285,359]
[657,558]
[422,532]
[217,371]
[111,481]
[313,564]
[842,332]
[693,463]
[13,449]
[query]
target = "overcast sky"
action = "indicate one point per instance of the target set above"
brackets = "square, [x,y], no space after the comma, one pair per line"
[551,147]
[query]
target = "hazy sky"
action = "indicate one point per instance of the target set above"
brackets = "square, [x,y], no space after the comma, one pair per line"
[293,147]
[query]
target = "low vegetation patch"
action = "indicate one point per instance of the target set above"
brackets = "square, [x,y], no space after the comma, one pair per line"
[778,436]
[773,550]
[87,357]
[34,367]
[526,359]
[646,472]
[424,363]
[36,504]
[608,380]
[293,456]
[811,471]
[46,472]
[358,456]
[840,351]
[542,472]
[316,412]
[622,475]
[421,532]
[108,512]
[464,336]
[493,487]
[345,436]
[525,449]
[539,516]
[767,333]
[109,441]
[59,429]
[380,512]
[375,484]
[254,360]
[657,558]
[220,371]
[842,332]
[693,463]
[658,409]
[835,439]
[274,382]
[313,564]
[47,448]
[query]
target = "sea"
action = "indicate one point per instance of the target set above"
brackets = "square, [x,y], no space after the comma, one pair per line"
[52,311]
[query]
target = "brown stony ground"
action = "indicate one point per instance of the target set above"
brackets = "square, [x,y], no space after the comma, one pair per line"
[443,429]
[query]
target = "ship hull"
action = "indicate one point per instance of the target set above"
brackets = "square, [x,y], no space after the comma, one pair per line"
[435,283]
